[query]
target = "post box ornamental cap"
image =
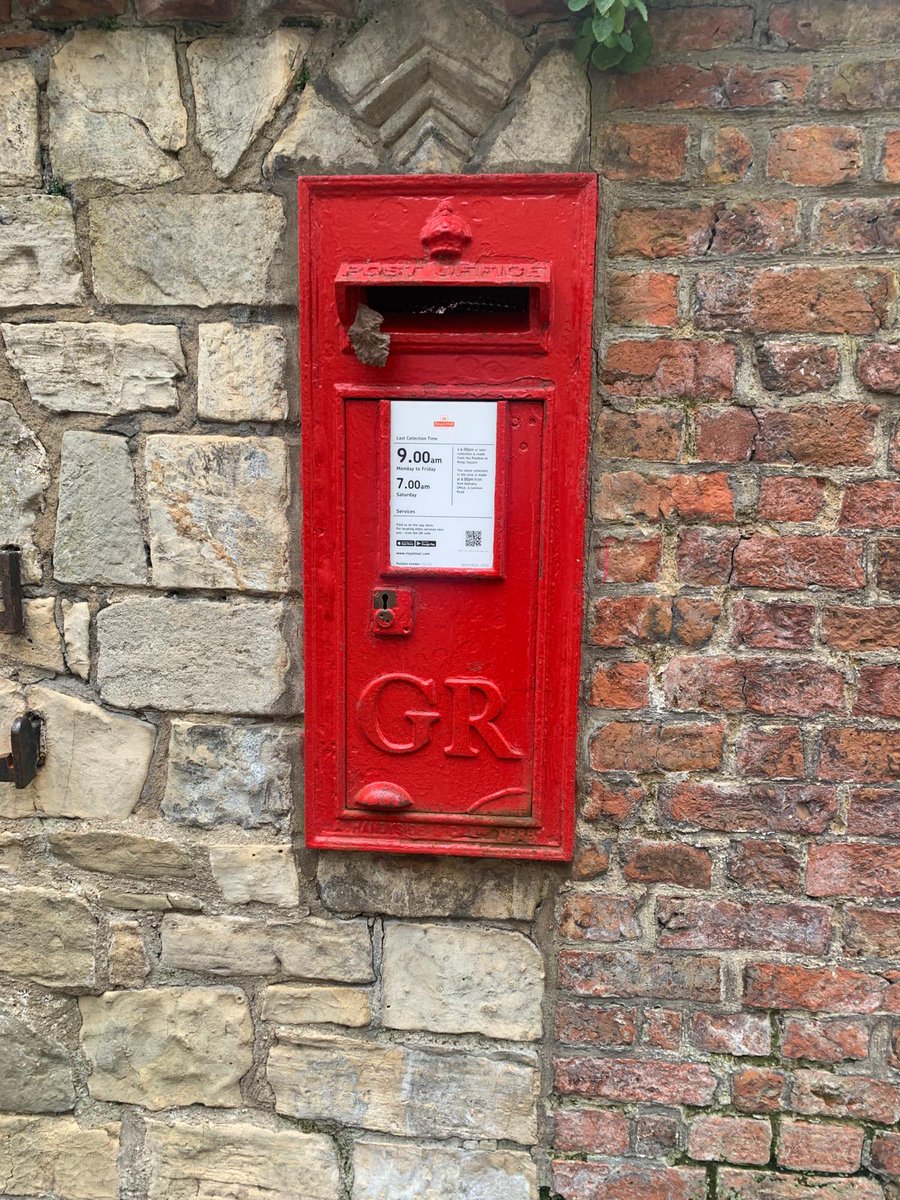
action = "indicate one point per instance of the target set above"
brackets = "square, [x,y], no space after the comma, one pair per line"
[444,234]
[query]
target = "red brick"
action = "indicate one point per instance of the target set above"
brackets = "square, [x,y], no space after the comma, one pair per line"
[754,685]
[874,812]
[669,369]
[871,505]
[758,1089]
[783,498]
[347,8]
[762,227]
[714,684]
[627,1181]
[627,495]
[663,232]
[618,805]
[815,155]
[62,12]
[629,1080]
[667,862]
[878,367]
[797,561]
[684,86]
[694,620]
[725,435]
[886,1153]
[753,808]
[629,974]
[638,153]
[26,39]
[590,1131]
[642,298]
[4,10]
[822,1094]
[854,869]
[631,621]
[729,1139]
[759,866]
[589,917]
[816,989]
[818,435]
[731,1033]
[772,626]
[792,368]
[864,755]
[688,924]
[890,157]
[805,1147]
[848,628]
[681,29]
[662,1028]
[629,560]
[620,685]
[816,24]
[186,10]
[704,556]
[590,862]
[872,933]
[648,433]
[888,564]
[825,1041]
[770,753]
[727,155]
[858,87]
[878,694]
[760,1185]
[795,299]
[582,1024]
[645,746]
[655,1134]
[859,226]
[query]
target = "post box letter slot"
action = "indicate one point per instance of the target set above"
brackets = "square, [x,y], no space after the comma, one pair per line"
[436,307]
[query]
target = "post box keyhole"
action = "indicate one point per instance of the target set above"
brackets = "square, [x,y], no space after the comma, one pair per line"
[391,611]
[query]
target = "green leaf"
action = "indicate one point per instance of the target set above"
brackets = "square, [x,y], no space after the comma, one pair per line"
[583,48]
[577,5]
[641,7]
[603,6]
[643,47]
[605,57]
[626,42]
[602,28]
[612,41]
[618,15]
[584,29]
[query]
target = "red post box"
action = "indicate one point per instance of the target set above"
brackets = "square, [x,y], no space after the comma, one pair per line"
[446,362]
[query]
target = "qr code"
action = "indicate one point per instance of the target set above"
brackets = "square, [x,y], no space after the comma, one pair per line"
[473,537]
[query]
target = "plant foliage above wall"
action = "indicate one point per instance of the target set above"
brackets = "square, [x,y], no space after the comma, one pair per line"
[615,35]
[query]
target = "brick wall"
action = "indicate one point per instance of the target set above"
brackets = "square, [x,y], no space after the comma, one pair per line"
[706,1004]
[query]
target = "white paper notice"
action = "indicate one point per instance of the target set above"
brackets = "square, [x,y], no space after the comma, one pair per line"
[443,468]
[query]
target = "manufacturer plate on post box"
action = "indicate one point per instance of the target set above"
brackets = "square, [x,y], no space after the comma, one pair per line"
[445,350]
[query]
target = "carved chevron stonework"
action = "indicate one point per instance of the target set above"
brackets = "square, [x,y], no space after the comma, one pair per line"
[431,76]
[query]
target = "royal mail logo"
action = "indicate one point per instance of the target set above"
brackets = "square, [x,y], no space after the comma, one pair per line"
[443,423]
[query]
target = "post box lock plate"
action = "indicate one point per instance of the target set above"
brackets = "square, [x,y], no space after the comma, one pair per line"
[391,612]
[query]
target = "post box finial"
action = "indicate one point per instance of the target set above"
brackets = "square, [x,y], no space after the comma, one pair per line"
[444,234]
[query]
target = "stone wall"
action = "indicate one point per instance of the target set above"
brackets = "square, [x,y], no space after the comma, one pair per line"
[706,1005]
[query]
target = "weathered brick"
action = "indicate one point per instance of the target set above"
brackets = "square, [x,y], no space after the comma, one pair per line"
[726,153]
[187,10]
[816,24]
[628,495]
[62,12]
[630,1080]
[760,1185]
[818,435]
[789,688]
[795,299]
[637,153]
[770,753]
[858,226]
[663,232]
[860,86]
[888,564]
[670,369]
[655,1134]
[629,559]
[872,932]
[758,1089]
[590,1131]
[783,498]
[886,1153]
[890,157]
[854,629]
[815,155]
[580,1024]
[667,862]
[730,1139]
[644,746]
[590,862]
[706,28]
[725,435]
[792,368]
[872,505]
[754,808]
[643,298]
[624,1180]
[627,974]
[864,755]
[616,804]
[688,924]
[853,869]
[874,812]
[704,556]
[631,621]
[878,367]
[620,685]
[730,1033]
[761,227]
[878,693]
[694,620]
[797,561]
[825,1041]
[817,989]
[589,917]
[662,1028]
[762,866]
[685,86]
[648,433]
[823,1094]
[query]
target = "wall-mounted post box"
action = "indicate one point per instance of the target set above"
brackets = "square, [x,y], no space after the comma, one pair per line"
[446,362]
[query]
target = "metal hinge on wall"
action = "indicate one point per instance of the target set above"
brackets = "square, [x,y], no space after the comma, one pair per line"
[12,617]
[21,765]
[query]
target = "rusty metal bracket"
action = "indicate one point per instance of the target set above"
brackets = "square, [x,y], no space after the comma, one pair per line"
[12,616]
[21,766]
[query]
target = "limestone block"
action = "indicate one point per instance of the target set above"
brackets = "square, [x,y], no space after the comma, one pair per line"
[24,478]
[240,373]
[549,127]
[98,533]
[298,1004]
[34,1063]
[39,645]
[39,261]
[239,85]
[77,637]
[314,948]
[115,108]
[54,1156]
[187,249]
[128,963]
[218,512]
[233,656]
[392,1171]
[13,853]
[150,901]
[113,852]
[256,874]
[414,886]
[19,152]
[404,1090]
[241,1161]
[320,135]
[229,774]
[72,366]
[455,980]
[161,1047]
[46,936]
[96,761]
